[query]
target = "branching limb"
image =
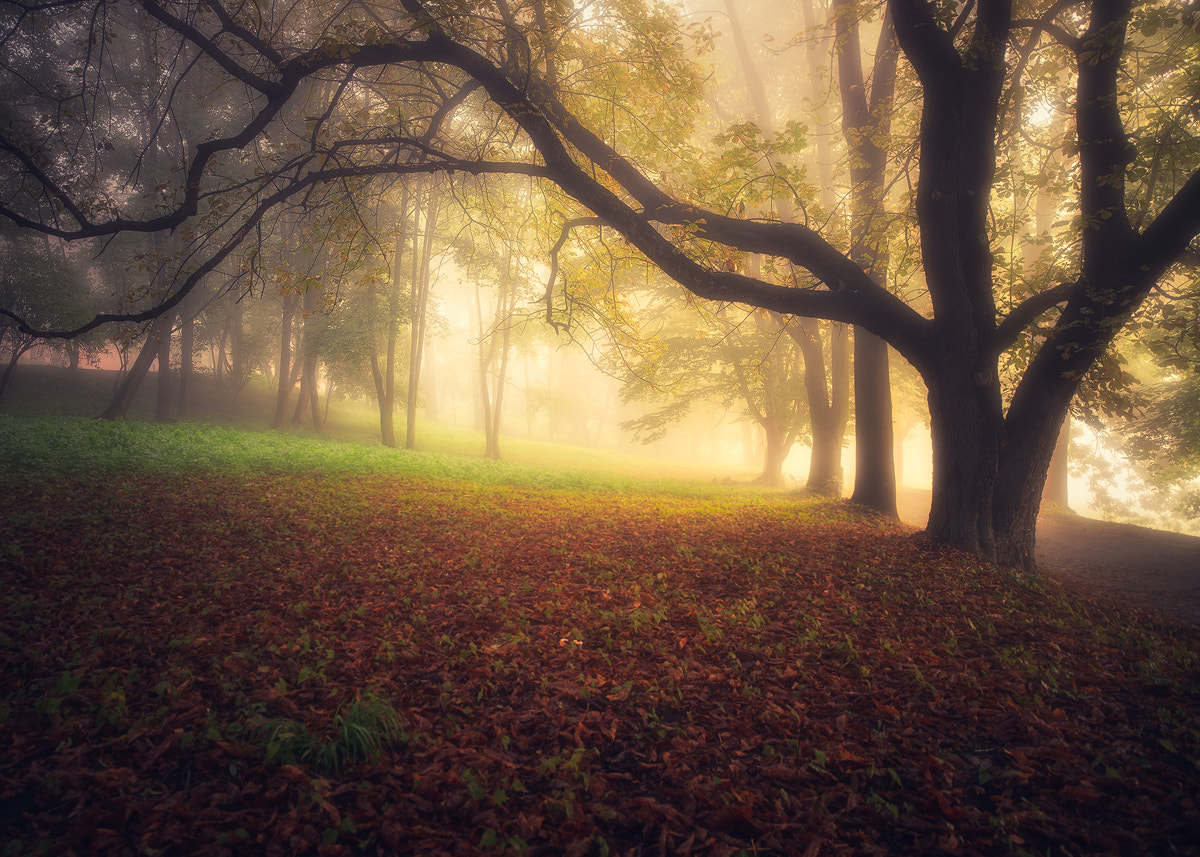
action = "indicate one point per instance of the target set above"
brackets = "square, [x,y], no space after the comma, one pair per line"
[567,228]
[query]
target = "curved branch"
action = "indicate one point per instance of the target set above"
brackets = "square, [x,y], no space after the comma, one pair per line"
[293,72]
[1023,314]
[567,227]
[229,25]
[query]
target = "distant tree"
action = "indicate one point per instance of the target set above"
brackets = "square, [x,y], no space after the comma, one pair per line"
[42,285]
[743,362]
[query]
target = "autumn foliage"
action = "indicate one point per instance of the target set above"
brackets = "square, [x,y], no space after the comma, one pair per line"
[353,664]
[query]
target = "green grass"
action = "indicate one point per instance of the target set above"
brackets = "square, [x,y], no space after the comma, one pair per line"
[57,405]
[43,444]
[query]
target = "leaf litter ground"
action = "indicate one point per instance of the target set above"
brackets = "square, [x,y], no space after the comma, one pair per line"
[302,664]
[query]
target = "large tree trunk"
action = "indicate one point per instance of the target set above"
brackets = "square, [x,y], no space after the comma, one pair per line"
[964,422]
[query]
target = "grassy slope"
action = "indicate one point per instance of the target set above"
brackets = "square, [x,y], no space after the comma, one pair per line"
[218,641]
[39,391]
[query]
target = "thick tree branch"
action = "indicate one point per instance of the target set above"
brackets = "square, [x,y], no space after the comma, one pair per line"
[229,25]
[928,47]
[1104,148]
[1165,241]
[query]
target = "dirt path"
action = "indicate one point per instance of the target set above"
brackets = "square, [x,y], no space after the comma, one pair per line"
[1152,569]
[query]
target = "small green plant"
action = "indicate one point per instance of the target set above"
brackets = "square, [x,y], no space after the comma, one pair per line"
[361,733]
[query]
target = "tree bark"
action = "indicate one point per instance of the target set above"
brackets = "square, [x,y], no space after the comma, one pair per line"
[965,420]
[778,443]
[866,125]
[828,403]
[308,375]
[492,345]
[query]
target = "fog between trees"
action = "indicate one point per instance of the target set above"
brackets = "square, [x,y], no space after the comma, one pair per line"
[1006,194]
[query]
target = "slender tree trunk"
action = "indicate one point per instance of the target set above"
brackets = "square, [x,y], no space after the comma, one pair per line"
[875,467]
[376,367]
[828,404]
[308,374]
[419,306]
[162,402]
[499,382]
[836,419]
[866,124]
[387,404]
[285,361]
[487,349]
[237,349]
[387,401]
[187,344]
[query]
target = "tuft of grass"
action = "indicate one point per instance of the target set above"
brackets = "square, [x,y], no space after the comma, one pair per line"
[361,733]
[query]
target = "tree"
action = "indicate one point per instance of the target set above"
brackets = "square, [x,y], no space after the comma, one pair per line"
[41,284]
[485,65]
[741,362]
[825,381]
[866,124]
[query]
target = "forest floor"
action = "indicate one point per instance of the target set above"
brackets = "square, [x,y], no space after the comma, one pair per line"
[218,642]
[1150,569]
